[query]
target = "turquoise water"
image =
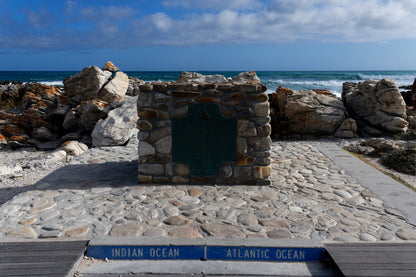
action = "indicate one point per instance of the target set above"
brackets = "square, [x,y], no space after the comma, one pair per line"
[330,80]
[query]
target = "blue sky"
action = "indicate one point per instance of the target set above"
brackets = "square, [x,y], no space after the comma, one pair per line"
[208,34]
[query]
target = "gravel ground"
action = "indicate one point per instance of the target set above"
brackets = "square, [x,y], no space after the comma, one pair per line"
[20,169]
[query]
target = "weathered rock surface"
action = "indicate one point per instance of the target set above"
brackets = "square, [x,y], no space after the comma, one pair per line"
[305,112]
[87,84]
[194,77]
[347,129]
[119,126]
[116,87]
[376,104]
[247,77]
[109,66]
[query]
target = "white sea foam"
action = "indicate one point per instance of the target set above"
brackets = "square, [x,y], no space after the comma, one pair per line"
[52,83]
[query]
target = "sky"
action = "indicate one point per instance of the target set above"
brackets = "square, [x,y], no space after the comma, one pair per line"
[208,34]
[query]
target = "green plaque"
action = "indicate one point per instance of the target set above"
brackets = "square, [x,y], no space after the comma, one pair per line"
[204,139]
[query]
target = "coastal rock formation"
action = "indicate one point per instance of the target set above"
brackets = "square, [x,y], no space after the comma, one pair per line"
[194,77]
[87,84]
[305,112]
[116,87]
[119,126]
[247,77]
[375,105]
[45,116]
[347,129]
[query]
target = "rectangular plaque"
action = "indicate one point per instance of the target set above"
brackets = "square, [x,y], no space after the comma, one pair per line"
[272,254]
[125,252]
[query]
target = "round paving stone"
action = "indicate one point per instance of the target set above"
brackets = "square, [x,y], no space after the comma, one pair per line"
[247,219]
[126,230]
[279,234]
[406,234]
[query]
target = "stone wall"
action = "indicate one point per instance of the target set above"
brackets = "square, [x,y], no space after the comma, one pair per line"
[165,109]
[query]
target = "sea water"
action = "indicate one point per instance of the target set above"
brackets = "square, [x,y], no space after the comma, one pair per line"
[297,80]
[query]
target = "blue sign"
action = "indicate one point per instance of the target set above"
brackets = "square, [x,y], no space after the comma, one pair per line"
[233,253]
[146,252]
[273,254]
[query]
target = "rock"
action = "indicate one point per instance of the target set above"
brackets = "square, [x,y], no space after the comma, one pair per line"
[74,148]
[279,234]
[119,126]
[376,103]
[109,66]
[185,232]
[127,230]
[247,77]
[72,120]
[92,111]
[222,230]
[406,234]
[43,134]
[9,169]
[247,219]
[81,231]
[177,221]
[134,86]
[116,87]
[347,129]
[193,77]
[86,85]
[305,112]
[56,157]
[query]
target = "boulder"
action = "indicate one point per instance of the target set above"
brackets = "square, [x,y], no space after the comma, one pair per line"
[375,103]
[92,111]
[72,120]
[86,84]
[116,87]
[74,148]
[247,77]
[109,66]
[119,126]
[134,86]
[193,77]
[347,129]
[43,134]
[305,112]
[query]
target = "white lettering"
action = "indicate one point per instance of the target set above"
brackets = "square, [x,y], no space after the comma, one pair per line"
[302,255]
[229,254]
[266,254]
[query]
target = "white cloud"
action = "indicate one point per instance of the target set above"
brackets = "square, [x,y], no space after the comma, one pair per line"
[215,4]
[228,22]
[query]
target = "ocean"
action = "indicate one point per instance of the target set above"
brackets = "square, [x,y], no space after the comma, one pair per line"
[297,80]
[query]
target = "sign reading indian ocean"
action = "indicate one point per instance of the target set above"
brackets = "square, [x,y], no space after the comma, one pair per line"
[272,254]
[146,252]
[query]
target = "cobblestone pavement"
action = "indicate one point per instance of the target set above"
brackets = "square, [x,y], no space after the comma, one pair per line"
[97,195]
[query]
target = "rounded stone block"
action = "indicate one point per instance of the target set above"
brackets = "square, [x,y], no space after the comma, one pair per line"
[261,172]
[246,128]
[164,145]
[147,113]
[145,149]
[182,169]
[262,109]
[152,169]
[144,178]
[207,99]
[245,160]
[144,125]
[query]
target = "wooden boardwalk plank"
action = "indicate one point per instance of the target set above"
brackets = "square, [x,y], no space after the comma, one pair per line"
[40,258]
[374,259]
